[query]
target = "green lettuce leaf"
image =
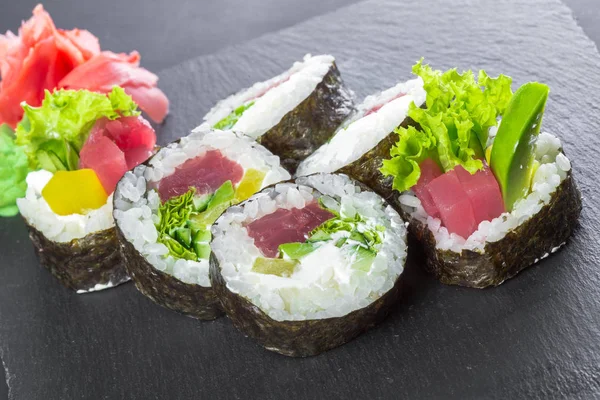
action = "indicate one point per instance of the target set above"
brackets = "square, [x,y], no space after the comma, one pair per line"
[185,221]
[357,232]
[453,128]
[52,135]
[13,171]
[229,121]
[174,214]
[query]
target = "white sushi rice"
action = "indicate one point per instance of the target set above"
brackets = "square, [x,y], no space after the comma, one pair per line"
[553,169]
[361,133]
[271,107]
[60,228]
[137,202]
[324,284]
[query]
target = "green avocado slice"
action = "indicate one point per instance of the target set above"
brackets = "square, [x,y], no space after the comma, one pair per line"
[512,153]
[218,203]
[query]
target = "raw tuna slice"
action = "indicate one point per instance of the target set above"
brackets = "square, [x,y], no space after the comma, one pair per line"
[134,136]
[286,226]
[132,141]
[206,173]
[106,159]
[483,192]
[453,204]
[429,171]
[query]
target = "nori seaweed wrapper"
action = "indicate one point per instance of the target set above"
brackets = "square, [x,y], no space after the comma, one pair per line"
[366,168]
[299,338]
[81,263]
[531,241]
[166,290]
[312,123]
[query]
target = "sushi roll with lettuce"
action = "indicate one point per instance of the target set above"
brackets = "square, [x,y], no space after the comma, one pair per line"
[78,144]
[164,210]
[291,114]
[484,191]
[364,140]
[305,266]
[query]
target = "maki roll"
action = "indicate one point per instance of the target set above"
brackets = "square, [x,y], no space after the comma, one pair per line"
[165,207]
[291,114]
[79,144]
[305,266]
[364,140]
[484,191]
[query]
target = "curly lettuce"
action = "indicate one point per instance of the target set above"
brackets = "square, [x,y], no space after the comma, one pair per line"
[185,221]
[52,135]
[453,127]
[13,171]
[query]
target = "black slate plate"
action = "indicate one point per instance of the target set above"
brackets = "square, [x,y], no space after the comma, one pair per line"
[537,335]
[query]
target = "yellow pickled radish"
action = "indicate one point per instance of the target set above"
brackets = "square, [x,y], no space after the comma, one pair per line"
[250,184]
[74,192]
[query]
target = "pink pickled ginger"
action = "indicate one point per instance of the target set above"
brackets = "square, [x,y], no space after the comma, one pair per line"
[42,57]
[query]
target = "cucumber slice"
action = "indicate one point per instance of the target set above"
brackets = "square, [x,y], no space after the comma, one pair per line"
[183,236]
[274,266]
[202,236]
[513,150]
[202,250]
[201,243]
[296,251]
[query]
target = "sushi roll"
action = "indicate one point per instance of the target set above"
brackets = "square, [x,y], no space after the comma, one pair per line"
[483,190]
[305,266]
[364,140]
[165,207]
[78,145]
[291,114]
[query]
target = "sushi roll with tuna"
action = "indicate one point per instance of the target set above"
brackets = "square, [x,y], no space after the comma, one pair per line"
[164,210]
[78,145]
[484,191]
[291,114]
[305,266]
[364,140]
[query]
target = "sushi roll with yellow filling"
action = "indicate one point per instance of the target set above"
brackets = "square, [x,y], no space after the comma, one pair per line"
[164,210]
[79,144]
[305,266]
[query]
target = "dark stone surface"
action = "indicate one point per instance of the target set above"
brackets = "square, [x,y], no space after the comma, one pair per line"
[536,336]
[167,32]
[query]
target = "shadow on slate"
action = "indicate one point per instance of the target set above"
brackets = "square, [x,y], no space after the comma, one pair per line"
[536,336]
